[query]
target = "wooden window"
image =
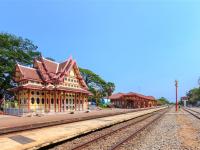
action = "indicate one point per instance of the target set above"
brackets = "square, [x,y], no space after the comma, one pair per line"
[42,100]
[32,100]
[25,101]
[52,101]
[38,100]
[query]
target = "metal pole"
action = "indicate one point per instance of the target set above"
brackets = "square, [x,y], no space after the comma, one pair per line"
[176,84]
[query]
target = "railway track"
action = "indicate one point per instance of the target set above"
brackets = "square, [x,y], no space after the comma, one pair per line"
[192,112]
[114,137]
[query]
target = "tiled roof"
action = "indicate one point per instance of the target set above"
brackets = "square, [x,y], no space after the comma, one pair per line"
[29,73]
[42,71]
[48,71]
[120,95]
[51,66]
[61,66]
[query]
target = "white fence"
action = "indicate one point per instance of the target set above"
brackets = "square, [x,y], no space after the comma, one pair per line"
[21,112]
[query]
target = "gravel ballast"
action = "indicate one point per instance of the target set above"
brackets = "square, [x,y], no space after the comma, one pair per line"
[174,131]
[162,135]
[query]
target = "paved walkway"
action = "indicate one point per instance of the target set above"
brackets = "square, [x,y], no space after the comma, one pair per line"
[10,123]
[39,137]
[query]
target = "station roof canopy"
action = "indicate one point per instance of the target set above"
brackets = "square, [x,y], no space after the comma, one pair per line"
[120,95]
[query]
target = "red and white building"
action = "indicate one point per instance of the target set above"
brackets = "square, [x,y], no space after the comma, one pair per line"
[132,100]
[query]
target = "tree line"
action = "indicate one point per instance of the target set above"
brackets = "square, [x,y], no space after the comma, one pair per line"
[15,49]
[193,96]
[163,101]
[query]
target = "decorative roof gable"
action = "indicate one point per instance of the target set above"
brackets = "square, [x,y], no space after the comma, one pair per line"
[48,71]
[29,73]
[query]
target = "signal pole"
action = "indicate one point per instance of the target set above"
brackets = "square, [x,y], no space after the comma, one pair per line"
[176,84]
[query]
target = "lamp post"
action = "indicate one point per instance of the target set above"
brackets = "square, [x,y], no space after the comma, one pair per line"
[176,84]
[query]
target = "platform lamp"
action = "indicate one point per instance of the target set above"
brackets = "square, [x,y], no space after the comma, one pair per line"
[176,85]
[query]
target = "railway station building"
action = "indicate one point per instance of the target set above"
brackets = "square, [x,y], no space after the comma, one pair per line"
[132,100]
[49,86]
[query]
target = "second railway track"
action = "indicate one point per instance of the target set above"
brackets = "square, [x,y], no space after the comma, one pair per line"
[112,137]
[194,113]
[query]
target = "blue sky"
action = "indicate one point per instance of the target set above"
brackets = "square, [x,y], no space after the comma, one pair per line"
[141,46]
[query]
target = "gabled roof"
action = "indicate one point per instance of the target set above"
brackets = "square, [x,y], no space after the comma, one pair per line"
[29,73]
[48,71]
[51,66]
[116,96]
[120,95]
[42,71]
[61,66]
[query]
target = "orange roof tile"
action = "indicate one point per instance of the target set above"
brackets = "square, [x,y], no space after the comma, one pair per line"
[29,73]
[120,95]
[48,71]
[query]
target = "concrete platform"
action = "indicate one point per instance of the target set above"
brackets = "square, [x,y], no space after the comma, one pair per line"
[13,123]
[37,138]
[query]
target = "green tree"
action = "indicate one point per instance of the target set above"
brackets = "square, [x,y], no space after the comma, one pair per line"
[99,87]
[109,88]
[49,58]
[194,95]
[14,50]
[162,101]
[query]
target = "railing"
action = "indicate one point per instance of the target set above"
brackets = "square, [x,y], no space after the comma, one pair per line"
[22,111]
[15,111]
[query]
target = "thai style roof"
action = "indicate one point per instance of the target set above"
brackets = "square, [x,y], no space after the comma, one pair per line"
[49,72]
[29,73]
[120,95]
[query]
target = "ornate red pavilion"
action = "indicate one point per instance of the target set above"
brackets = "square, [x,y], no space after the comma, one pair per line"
[132,100]
[50,86]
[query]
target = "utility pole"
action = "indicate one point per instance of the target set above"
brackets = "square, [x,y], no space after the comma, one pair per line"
[176,84]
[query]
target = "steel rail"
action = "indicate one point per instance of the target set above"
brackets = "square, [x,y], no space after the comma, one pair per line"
[117,145]
[79,147]
[190,111]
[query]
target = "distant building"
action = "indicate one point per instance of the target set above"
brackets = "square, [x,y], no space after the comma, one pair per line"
[184,98]
[132,100]
[50,86]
